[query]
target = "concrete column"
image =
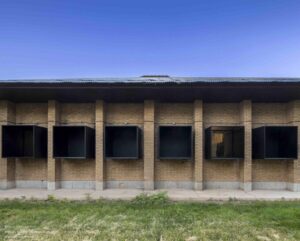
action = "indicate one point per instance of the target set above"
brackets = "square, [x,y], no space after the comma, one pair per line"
[149,144]
[246,165]
[293,115]
[99,158]
[7,165]
[198,128]
[53,165]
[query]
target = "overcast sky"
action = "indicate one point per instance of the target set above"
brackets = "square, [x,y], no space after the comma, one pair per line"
[86,38]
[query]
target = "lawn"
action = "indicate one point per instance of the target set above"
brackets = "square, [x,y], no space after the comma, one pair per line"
[148,218]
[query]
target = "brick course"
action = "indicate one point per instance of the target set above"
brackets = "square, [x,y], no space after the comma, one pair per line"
[199,145]
[124,170]
[149,144]
[31,169]
[7,165]
[178,114]
[270,114]
[77,114]
[149,170]
[223,114]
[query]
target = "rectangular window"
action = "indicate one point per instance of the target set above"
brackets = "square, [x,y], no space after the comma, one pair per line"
[175,142]
[224,142]
[122,142]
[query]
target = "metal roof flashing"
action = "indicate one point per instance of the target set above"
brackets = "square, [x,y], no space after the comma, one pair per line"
[163,88]
[152,80]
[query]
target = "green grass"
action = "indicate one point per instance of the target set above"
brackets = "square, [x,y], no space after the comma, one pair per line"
[148,218]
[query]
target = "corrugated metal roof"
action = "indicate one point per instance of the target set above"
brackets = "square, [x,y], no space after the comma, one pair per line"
[153,80]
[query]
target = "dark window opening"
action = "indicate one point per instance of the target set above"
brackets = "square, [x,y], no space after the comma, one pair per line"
[73,142]
[24,141]
[175,142]
[275,142]
[122,142]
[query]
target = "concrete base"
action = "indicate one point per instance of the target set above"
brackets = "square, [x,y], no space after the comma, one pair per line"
[174,185]
[294,187]
[31,184]
[198,186]
[246,186]
[99,185]
[222,185]
[78,184]
[4,184]
[149,185]
[127,194]
[269,185]
[124,184]
[53,185]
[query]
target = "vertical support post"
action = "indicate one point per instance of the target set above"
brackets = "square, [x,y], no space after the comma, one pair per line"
[99,158]
[246,166]
[294,165]
[149,144]
[7,165]
[53,164]
[198,128]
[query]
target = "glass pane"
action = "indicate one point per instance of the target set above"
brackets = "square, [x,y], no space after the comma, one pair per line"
[222,144]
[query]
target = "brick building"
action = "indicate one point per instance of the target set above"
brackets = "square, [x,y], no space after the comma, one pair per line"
[150,132]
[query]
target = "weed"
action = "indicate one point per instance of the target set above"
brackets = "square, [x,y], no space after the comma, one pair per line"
[51,198]
[154,199]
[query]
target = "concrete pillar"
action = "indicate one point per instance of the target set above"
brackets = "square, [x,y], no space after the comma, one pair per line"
[7,165]
[149,144]
[246,165]
[53,165]
[293,115]
[198,128]
[99,157]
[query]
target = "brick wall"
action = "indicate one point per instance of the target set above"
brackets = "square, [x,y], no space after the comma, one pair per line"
[149,116]
[223,115]
[124,170]
[32,113]
[270,170]
[169,114]
[31,169]
[77,114]
[7,165]
[270,114]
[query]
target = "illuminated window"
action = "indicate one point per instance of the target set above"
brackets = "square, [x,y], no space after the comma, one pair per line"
[224,142]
